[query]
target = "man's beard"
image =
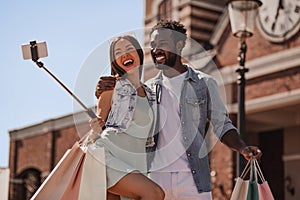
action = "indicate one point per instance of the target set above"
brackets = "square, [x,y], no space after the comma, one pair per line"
[169,63]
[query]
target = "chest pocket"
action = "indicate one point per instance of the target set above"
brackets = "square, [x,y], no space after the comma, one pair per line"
[124,91]
[122,107]
[196,107]
[125,95]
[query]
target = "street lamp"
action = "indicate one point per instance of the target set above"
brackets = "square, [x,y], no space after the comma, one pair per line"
[242,15]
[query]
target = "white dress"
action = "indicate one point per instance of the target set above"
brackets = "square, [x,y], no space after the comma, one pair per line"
[125,152]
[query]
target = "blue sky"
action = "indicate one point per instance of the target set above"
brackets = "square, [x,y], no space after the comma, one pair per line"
[72,30]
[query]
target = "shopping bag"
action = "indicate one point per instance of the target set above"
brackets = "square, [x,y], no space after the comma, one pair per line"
[240,189]
[93,176]
[80,174]
[89,178]
[59,178]
[254,187]
[264,191]
[73,187]
[252,193]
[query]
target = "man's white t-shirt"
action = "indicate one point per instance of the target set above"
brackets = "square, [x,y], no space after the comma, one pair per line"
[170,155]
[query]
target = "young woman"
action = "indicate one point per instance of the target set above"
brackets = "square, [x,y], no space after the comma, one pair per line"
[129,123]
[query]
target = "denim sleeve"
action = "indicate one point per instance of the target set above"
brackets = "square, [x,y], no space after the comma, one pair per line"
[217,111]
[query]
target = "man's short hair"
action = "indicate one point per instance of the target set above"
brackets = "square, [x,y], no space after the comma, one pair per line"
[176,26]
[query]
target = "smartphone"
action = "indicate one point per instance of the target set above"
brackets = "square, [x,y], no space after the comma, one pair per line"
[41,50]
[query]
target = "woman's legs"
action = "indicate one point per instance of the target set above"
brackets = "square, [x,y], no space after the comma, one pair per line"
[111,196]
[137,186]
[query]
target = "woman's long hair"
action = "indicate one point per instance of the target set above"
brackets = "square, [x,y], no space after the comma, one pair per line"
[115,68]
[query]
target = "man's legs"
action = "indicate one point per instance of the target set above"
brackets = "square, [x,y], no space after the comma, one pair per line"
[179,186]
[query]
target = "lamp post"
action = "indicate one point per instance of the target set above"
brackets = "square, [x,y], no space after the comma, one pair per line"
[242,15]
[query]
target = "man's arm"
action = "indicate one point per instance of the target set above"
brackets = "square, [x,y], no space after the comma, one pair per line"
[220,120]
[233,140]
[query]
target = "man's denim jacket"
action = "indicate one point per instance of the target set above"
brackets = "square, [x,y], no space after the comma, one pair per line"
[200,105]
[124,100]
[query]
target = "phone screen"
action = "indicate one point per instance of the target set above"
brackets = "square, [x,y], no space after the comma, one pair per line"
[41,48]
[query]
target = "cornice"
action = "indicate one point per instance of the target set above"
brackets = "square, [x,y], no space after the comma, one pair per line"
[48,126]
[268,102]
[264,65]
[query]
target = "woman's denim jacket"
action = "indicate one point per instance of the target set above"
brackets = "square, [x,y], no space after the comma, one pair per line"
[124,100]
[201,107]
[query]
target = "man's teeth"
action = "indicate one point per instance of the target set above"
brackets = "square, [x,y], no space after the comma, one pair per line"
[159,58]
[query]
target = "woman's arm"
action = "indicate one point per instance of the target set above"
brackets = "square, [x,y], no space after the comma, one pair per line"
[104,104]
[103,108]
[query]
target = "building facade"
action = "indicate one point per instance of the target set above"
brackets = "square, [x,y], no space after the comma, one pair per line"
[35,150]
[272,84]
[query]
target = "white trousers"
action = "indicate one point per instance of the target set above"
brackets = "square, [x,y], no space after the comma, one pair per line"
[179,186]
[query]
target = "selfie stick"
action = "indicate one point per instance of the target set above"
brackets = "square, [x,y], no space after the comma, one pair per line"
[35,58]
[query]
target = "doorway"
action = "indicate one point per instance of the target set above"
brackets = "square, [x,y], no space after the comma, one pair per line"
[271,144]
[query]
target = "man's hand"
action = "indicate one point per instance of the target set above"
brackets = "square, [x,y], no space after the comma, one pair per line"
[105,83]
[233,140]
[251,152]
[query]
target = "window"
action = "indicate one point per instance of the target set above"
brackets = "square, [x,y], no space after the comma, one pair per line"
[29,182]
[165,10]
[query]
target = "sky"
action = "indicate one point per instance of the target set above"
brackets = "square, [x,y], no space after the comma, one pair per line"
[76,32]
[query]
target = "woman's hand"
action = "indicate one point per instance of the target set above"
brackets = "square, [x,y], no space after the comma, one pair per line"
[96,125]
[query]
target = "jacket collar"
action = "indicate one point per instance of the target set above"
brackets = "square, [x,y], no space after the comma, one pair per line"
[191,75]
[124,81]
